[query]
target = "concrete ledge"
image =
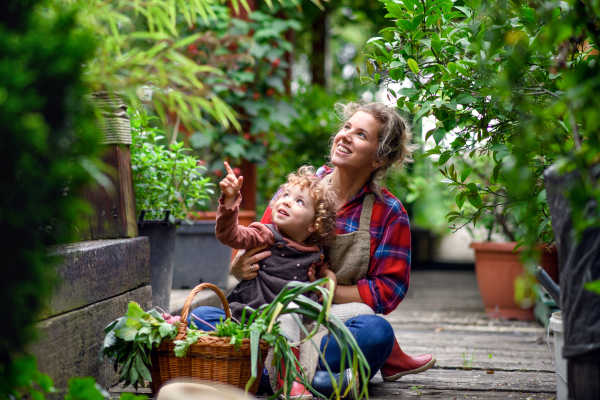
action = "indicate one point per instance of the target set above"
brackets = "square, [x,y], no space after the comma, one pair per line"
[68,344]
[97,270]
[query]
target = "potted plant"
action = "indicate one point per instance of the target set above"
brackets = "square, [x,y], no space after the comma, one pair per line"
[149,346]
[167,185]
[516,83]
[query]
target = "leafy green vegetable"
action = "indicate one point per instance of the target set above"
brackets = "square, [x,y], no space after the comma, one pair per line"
[130,339]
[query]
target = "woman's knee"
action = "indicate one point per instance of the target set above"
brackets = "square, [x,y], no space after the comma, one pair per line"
[373,332]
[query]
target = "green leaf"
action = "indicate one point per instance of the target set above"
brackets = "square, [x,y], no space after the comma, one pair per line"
[414,67]
[417,21]
[501,151]
[444,157]
[519,210]
[420,113]
[452,68]
[404,25]
[465,174]
[397,74]
[475,200]
[460,199]
[593,286]
[436,46]
[496,171]
[542,198]
[439,134]
[83,389]
[143,371]
[134,311]
[465,98]
[542,226]
[127,333]
[166,329]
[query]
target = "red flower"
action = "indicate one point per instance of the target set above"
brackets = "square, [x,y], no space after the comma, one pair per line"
[256,96]
[270,92]
[276,63]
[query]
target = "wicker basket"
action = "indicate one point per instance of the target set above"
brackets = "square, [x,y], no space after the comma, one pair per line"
[210,358]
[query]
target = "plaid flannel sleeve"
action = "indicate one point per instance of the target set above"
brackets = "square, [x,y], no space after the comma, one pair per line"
[387,281]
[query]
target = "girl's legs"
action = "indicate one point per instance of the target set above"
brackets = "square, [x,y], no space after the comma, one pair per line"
[375,337]
[211,315]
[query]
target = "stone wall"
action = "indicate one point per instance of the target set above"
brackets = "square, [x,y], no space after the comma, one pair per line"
[99,278]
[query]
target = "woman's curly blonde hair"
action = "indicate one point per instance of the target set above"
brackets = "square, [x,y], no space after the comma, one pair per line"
[325,209]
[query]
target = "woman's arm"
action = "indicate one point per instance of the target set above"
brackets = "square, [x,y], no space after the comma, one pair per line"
[388,276]
[347,294]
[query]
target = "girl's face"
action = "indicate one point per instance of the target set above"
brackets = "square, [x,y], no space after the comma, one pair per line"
[294,213]
[354,146]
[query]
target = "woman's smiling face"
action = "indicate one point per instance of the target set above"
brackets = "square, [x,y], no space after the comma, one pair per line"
[354,146]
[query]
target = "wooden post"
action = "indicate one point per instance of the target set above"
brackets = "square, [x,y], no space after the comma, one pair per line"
[112,210]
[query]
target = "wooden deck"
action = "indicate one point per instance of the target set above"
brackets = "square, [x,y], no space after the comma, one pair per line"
[443,315]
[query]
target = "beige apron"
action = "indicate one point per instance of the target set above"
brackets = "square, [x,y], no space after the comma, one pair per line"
[350,255]
[349,258]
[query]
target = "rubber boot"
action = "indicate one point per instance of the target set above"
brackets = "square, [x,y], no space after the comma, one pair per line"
[298,391]
[399,364]
[322,384]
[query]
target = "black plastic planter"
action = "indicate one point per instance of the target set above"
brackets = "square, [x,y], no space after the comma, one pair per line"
[200,257]
[579,262]
[161,234]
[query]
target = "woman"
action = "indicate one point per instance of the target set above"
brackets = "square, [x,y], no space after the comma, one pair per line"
[371,253]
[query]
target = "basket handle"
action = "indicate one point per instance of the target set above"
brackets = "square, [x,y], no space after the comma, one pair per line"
[182,333]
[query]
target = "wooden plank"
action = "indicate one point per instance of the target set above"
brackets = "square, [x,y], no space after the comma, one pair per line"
[68,344]
[96,270]
[463,380]
[113,213]
[126,197]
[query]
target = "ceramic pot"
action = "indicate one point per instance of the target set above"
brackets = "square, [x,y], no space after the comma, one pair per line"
[496,267]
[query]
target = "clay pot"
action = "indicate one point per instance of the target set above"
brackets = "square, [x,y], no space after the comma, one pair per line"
[496,267]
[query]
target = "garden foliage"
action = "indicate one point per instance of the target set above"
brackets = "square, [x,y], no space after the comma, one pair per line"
[513,81]
[164,176]
[49,153]
[250,57]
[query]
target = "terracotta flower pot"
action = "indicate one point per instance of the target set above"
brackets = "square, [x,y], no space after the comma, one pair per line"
[496,267]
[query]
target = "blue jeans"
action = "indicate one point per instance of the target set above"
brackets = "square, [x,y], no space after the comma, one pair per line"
[374,335]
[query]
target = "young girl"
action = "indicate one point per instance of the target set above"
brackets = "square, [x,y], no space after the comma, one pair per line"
[303,218]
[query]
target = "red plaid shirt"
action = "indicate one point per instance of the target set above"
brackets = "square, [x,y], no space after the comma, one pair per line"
[388,277]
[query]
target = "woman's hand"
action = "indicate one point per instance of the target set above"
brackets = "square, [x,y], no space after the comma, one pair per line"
[329,274]
[245,264]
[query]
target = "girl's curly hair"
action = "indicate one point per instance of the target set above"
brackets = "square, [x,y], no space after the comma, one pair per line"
[325,209]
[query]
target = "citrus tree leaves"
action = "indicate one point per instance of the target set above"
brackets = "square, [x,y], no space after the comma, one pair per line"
[494,90]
